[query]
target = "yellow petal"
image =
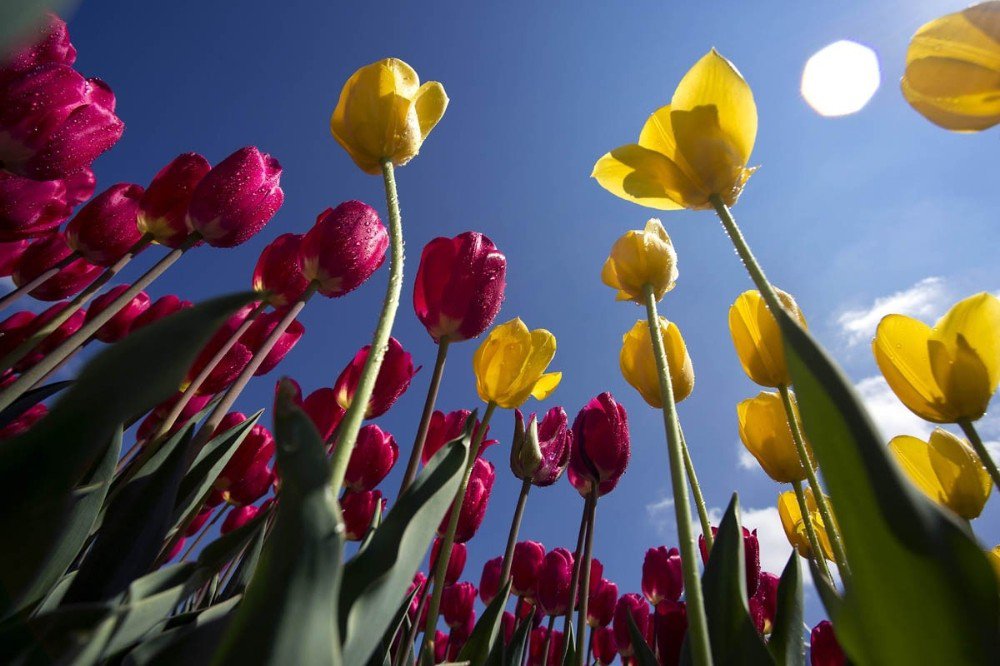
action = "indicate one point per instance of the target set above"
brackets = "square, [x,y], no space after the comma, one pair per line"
[965,483]
[430,103]
[913,455]
[977,320]
[545,385]
[765,433]
[791,520]
[647,178]
[901,352]
[757,337]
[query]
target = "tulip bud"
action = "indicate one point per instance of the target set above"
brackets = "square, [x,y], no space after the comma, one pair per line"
[459,286]
[601,603]
[159,309]
[457,603]
[232,362]
[639,258]
[794,525]
[477,498]
[256,449]
[417,588]
[238,517]
[540,452]
[385,114]
[105,229]
[199,521]
[636,606]
[757,337]
[765,432]
[321,406]
[440,646]
[510,365]
[24,422]
[345,246]
[545,647]
[554,580]
[638,364]
[669,629]
[10,254]
[525,568]
[751,556]
[375,452]
[254,484]
[525,608]
[764,603]
[30,208]
[393,379]
[236,198]
[119,325]
[14,330]
[152,423]
[824,650]
[489,582]
[601,446]
[605,646]
[53,339]
[48,43]
[43,254]
[176,549]
[662,577]
[507,625]
[444,428]
[164,206]
[359,511]
[261,329]
[278,272]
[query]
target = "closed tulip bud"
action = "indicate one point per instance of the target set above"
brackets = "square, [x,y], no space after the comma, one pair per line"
[554,580]
[238,517]
[24,422]
[10,254]
[323,409]
[232,362]
[53,339]
[507,625]
[374,454]
[525,608]
[489,582]
[199,521]
[278,272]
[477,498]
[526,567]
[164,206]
[417,588]
[159,309]
[638,258]
[636,606]
[444,428]
[119,325]
[605,645]
[459,286]
[540,451]
[596,574]
[345,246]
[751,556]
[176,549]
[601,446]
[662,577]
[638,365]
[254,484]
[946,469]
[44,253]
[757,337]
[261,329]
[601,603]
[993,555]
[48,43]
[256,448]
[670,629]
[440,646]
[952,72]
[359,511]
[55,122]
[457,603]
[236,198]
[384,114]
[765,432]
[824,650]
[947,373]
[510,365]
[14,330]
[393,379]
[794,525]
[764,603]
[105,229]
[30,208]
[456,563]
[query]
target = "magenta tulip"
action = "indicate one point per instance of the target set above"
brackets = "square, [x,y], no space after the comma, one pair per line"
[152,422]
[44,253]
[824,649]
[458,603]
[375,452]
[160,308]
[10,254]
[24,422]
[662,577]
[14,330]
[601,603]
[359,510]
[48,43]
[53,339]
[605,646]
[164,206]
[393,379]
[554,581]
[525,567]
[119,325]
[670,627]
[30,208]
[261,329]
[444,428]
[636,606]
[199,521]
[751,557]
[278,272]
[489,582]
[543,460]
[105,229]
[232,363]
[249,459]
[477,498]
[764,603]
[345,246]
[601,446]
[238,517]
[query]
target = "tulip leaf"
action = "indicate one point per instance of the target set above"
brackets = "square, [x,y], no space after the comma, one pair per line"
[643,654]
[827,592]
[376,579]
[484,634]
[513,655]
[29,400]
[247,565]
[569,646]
[398,624]
[19,17]
[190,638]
[787,643]
[289,611]
[921,589]
[731,631]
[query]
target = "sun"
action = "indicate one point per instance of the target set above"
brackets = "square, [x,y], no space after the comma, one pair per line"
[840,78]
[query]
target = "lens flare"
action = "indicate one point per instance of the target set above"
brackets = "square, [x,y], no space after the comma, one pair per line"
[839,79]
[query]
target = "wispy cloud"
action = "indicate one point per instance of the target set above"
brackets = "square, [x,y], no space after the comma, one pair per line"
[926,300]
[745,459]
[890,415]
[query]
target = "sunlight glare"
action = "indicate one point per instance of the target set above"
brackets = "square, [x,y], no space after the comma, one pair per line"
[839,79]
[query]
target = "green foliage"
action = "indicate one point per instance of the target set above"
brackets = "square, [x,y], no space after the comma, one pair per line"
[787,642]
[484,635]
[643,653]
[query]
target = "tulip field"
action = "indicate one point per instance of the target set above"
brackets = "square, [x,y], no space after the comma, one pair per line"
[148,521]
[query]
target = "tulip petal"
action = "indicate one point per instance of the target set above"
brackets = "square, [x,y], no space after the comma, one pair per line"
[545,385]
[901,352]
[430,103]
[977,320]
[647,178]
[913,455]
[963,478]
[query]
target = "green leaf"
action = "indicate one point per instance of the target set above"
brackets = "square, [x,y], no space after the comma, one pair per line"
[484,635]
[399,624]
[514,654]
[828,594]
[921,589]
[642,653]
[29,400]
[732,634]
[289,612]
[246,566]
[787,642]
[569,646]
[375,580]
[19,17]
[192,641]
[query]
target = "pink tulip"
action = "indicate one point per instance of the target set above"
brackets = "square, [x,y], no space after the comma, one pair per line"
[477,498]
[601,603]
[458,603]
[254,484]
[824,649]
[118,326]
[417,588]
[279,271]
[375,452]
[30,208]
[444,428]
[44,253]
[251,456]
[10,254]
[393,379]
[554,443]
[164,206]
[152,422]
[53,339]
[605,646]
[238,517]
[670,628]
[489,582]
[14,330]
[232,362]
[636,606]
[105,229]
[345,246]
[751,556]
[764,603]
[554,579]
[601,446]
[525,567]
[199,521]
[24,422]
[359,510]
[261,329]
[160,308]
[48,43]
[662,577]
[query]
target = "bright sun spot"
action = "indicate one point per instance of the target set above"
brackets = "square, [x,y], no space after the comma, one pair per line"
[839,79]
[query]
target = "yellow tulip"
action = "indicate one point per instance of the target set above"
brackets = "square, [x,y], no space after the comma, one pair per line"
[765,432]
[994,557]
[757,337]
[946,469]
[385,114]
[639,366]
[696,147]
[948,373]
[952,73]
[639,258]
[510,365]
[794,526]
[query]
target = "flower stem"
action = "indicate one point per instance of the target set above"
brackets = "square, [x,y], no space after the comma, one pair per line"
[588,551]
[697,621]
[745,254]
[515,527]
[38,281]
[821,501]
[817,550]
[699,499]
[425,418]
[574,584]
[444,554]
[980,449]
[351,423]
[548,640]
[203,532]
[590,647]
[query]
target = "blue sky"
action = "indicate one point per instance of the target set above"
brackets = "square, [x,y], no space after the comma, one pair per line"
[842,213]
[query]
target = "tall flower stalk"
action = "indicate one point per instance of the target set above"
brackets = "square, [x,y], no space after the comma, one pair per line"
[425,416]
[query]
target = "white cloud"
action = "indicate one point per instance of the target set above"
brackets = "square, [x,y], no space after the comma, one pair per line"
[745,459]
[889,414]
[925,300]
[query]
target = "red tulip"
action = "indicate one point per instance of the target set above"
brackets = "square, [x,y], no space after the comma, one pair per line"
[393,379]
[417,588]
[254,484]
[662,577]
[30,208]
[751,556]
[375,452]
[477,497]
[279,271]
[601,445]
[152,423]
[444,428]
[176,549]
[261,329]
[79,186]
[10,254]
[345,246]
[160,308]
[24,422]
[44,253]
[764,603]
[236,198]
[359,511]
[507,625]
[824,649]
[540,638]
[232,362]
[163,208]
[14,330]
[252,455]
[601,603]
[525,567]
[554,580]
[489,582]
[670,627]
[440,646]
[199,521]
[105,229]
[53,339]
[459,286]
[48,43]
[118,326]
[540,452]
[605,646]
[55,122]
[635,605]
[457,603]
[238,517]
[526,607]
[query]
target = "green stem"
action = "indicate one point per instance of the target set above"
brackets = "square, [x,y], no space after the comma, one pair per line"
[425,418]
[821,501]
[351,423]
[574,581]
[590,646]
[980,449]
[746,256]
[817,549]
[588,551]
[697,621]
[548,640]
[699,499]
[515,527]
